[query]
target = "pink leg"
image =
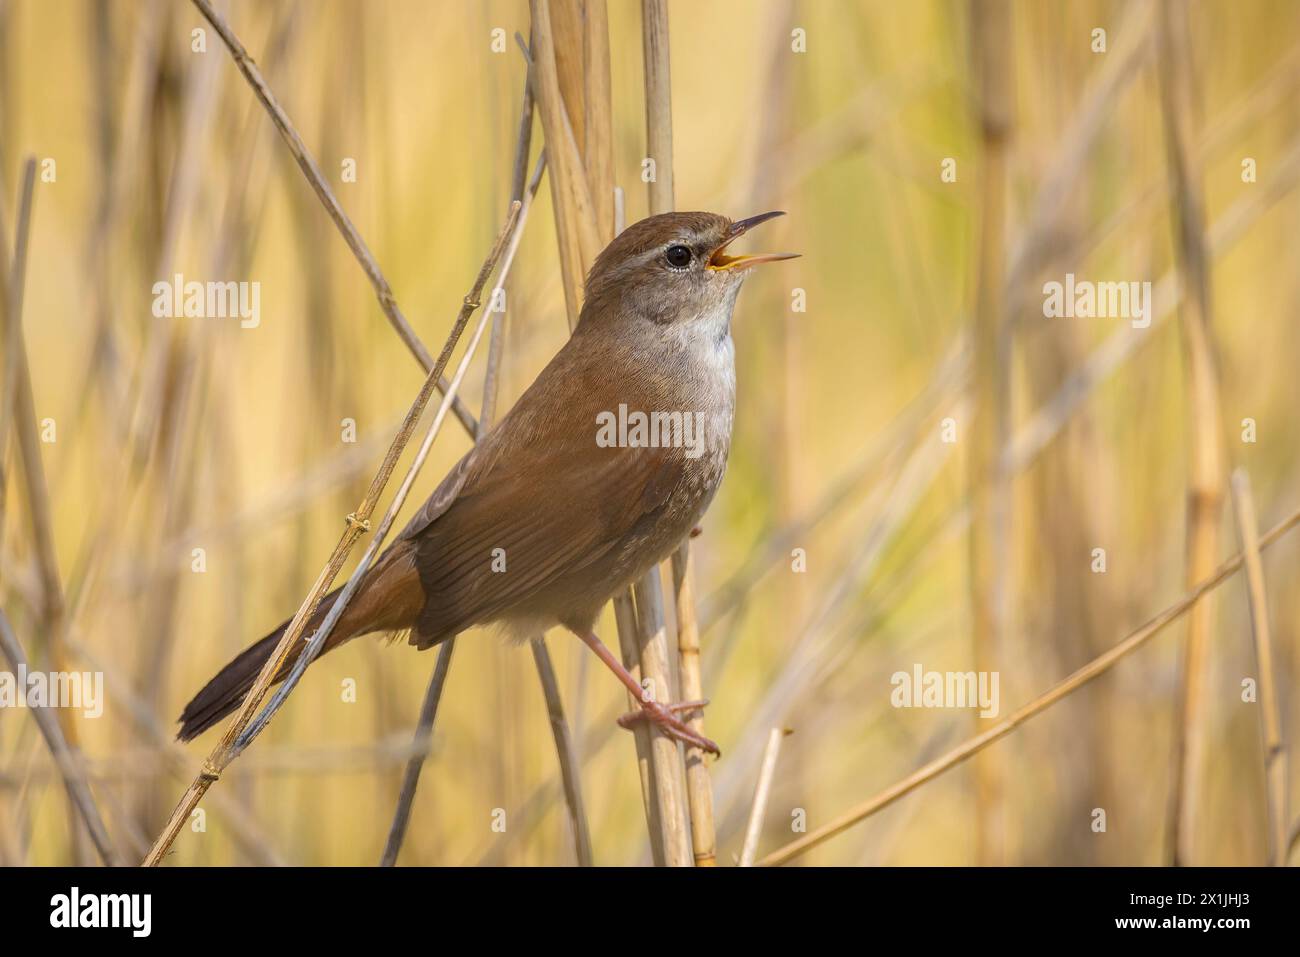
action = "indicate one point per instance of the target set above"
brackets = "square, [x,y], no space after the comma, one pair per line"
[662,717]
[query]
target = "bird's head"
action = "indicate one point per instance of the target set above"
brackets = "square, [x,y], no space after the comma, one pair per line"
[672,268]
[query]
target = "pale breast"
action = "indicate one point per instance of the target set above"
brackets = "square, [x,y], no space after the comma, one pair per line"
[704,385]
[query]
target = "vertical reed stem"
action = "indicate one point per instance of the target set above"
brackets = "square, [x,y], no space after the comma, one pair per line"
[1270,717]
[699,785]
[992,52]
[1205,480]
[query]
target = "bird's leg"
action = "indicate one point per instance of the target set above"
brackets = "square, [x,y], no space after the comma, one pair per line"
[662,716]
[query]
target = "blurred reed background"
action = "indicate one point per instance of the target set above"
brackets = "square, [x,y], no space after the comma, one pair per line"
[923,303]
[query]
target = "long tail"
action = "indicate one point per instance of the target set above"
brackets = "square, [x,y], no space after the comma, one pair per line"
[388,599]
[226,691]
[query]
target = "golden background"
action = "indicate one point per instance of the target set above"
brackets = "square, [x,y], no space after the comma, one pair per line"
[180,434]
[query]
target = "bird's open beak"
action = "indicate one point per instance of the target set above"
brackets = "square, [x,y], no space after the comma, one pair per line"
[719,259]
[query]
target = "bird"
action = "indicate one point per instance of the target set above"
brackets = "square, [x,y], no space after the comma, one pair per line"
[596,474]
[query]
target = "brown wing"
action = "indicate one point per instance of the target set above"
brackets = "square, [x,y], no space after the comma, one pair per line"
[492,548]
[539,489]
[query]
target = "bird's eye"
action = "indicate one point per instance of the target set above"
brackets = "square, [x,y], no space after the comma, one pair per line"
[679,257]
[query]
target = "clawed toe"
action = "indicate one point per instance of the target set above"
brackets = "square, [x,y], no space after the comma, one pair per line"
[663,717]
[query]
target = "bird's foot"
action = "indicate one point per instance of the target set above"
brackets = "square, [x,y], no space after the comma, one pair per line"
[665,719]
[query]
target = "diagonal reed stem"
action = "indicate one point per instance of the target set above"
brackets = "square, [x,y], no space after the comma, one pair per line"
[762,791]
[383,292]
[565,750]
[524,192]
[20,402]
[433,694]
[70,768]
[1098,666]
[357,523]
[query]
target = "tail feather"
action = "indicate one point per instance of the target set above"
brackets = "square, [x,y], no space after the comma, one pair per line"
[226,691]
[388,599]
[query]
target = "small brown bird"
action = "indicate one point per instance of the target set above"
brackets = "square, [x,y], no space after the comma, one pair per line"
[599,471]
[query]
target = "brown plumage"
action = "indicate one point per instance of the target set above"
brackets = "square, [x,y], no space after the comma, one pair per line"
[573,519]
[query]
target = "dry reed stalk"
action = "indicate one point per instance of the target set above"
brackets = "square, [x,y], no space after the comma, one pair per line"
[699,785]
[282,503]
[383,292]
[658,102]
[1222,132]
[550,688]
[598,116]
[11,335]
[519,216]
[154,420]
[65,757]
[1270,717]
[762,790]
[433,694]
[568,41]
[1114,74]
[1120,346]
[1076,614]
[133,115]
[813,649]
[949,377]
[380,284]
[244,831]
[167,441]
[652,643]
[1098,666]
[357,524]
[567,753]
[247,187]
[12,287]
[1033,438]
[794,475]
[992,58]
[1206,466]
[12,282]
[421,743]
[318,639]
[146,761]
[569,71]
[565,749]
[575,222]
[21,403]
[105,350]
[950,526]
[669,774]
[625,621]
[659,146]
[1042,427]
